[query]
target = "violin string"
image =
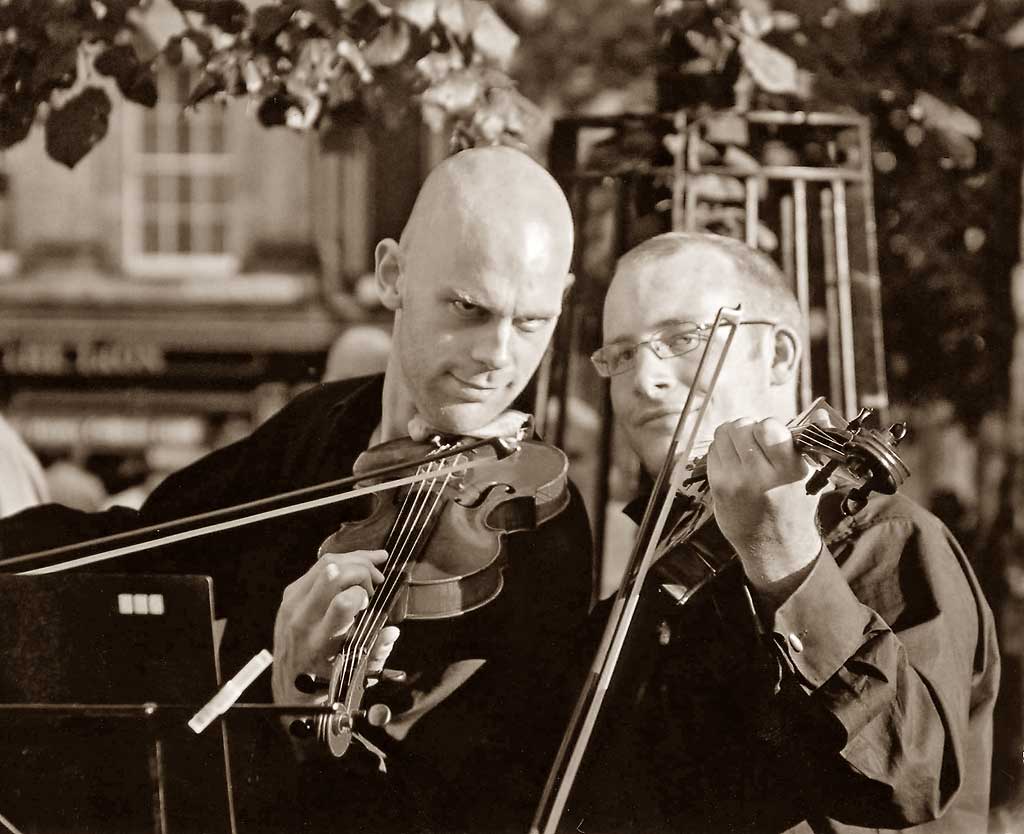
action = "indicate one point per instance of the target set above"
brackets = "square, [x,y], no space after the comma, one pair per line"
[818,439]
[395,543]
[811,436]
[391,584]
[805,441]
[372,620]
[349,652]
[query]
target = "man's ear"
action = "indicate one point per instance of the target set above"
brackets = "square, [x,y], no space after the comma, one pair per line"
[786,355]
[388,272]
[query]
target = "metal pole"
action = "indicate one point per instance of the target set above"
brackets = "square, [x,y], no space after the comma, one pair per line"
[679,172]
[831,301]
[803,286]
[848,360]
[751,211]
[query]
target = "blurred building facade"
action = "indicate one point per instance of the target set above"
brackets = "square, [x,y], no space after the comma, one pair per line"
[187,278]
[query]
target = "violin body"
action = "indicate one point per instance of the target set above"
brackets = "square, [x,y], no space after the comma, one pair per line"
[460,556]
[691,564]
[445,542]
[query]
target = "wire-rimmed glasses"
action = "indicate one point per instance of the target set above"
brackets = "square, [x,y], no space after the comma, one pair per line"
[674,340]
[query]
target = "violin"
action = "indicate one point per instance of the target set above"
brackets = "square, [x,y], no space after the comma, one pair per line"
[860,459]
[441,509]
[445,539]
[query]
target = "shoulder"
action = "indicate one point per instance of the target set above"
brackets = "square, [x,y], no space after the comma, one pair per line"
[904,562]
[338,397]
[897,515]
[324,413]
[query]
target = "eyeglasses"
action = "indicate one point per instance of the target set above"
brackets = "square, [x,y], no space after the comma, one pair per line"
[674,340]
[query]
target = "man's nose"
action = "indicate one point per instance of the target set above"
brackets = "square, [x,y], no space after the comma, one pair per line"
[492,344]
[652,376]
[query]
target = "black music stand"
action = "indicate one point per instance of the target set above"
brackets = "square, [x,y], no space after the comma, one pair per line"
[71,640]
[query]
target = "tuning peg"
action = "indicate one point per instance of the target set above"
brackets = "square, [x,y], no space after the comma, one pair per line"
[819,480]
[378,715]
[386,675]
[897,431]
[302,728]
[855,500]
[857,422]
[393,676]
[310,684]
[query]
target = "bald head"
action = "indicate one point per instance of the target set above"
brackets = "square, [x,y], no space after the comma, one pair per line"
[476,283]
[491,198]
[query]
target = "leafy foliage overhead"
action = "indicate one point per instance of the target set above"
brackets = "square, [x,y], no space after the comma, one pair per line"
[309,64]
[940,80]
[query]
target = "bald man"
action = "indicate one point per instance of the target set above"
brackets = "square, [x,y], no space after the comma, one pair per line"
[476,285]
[840,674]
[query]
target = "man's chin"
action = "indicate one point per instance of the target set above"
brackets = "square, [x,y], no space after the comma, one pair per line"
[466,418]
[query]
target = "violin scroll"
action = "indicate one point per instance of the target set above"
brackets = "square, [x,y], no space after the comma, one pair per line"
[862,456]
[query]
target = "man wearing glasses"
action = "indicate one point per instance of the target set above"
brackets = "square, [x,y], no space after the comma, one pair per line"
[840,674]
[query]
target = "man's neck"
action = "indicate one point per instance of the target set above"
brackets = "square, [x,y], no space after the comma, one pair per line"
[397,407]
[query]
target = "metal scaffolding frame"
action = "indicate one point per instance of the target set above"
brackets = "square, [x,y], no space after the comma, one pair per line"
[798,185]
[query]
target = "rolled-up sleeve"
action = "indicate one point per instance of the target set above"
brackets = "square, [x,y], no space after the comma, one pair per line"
[890,636]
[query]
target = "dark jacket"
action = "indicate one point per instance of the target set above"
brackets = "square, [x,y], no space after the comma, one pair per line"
[487,692]
[864,704]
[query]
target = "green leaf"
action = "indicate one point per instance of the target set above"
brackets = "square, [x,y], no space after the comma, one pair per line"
[229,16]
[268,20]
[142,89]
[390,46]
[205,87]
[16,117]
[201,41]
[324,12]
[420,13]
[74,129]
[493,38]
[56,66]
[120,63]
[172,51]
[773,70]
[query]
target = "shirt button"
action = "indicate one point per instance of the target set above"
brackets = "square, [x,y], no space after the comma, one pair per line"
[664,633]
[796,643]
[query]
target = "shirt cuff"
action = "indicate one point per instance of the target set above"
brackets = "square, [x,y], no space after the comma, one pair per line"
[822,624]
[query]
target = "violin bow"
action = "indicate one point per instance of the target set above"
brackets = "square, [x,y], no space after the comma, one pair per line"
[228,518]
[670,476]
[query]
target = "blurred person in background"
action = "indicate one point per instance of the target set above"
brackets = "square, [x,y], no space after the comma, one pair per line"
[361,350]
[22,481]
[73,485]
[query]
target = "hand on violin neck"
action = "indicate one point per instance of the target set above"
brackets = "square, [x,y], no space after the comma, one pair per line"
[757,479]
[316,613]
[507,424]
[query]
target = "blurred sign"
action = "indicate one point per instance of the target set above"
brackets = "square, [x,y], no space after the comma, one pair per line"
[93,359]
[111,431]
